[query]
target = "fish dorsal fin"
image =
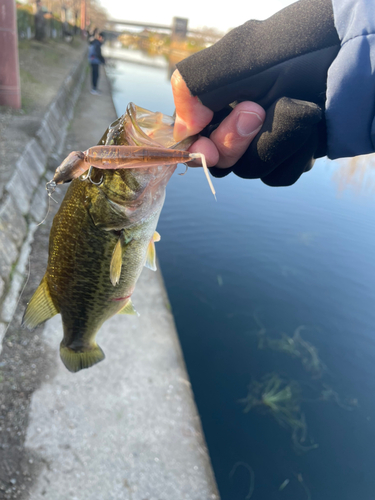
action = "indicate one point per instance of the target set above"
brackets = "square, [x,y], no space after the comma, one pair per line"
[75,361]
[40,308]
[116,263]
[129,309]
[151,254]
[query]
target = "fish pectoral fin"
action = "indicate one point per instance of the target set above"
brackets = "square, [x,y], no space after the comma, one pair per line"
[116,263]
[40,308]
[151,256]
[156,236]
[128,309]
[76,361]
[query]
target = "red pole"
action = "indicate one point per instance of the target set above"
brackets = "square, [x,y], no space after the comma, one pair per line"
[10,91]
[83,15]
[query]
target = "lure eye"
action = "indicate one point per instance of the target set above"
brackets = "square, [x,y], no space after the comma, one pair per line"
[70,168]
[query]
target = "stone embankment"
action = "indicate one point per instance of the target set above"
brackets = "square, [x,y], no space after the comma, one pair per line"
[23,201]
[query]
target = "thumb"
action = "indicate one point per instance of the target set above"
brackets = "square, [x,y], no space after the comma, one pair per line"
[236,131]
[191,115]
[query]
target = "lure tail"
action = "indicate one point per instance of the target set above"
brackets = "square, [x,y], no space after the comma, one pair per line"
[77,360]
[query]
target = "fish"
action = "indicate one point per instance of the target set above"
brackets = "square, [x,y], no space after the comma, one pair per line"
[102,236]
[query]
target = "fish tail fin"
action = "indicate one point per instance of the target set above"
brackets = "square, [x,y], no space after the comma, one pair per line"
[77,360]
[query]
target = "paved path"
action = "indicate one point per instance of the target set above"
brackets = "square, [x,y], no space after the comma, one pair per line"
[128,427]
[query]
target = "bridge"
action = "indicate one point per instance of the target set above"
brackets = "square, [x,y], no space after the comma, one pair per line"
[111,23]
[179,27]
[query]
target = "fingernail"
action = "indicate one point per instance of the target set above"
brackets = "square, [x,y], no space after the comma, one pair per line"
[248,123]
[180,130]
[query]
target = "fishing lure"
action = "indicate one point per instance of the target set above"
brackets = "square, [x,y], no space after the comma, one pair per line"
[119,157]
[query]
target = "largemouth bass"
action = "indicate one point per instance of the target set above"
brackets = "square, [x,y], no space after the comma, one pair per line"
[101,238]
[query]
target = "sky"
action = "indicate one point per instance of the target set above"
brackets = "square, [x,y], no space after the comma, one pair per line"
[199,12]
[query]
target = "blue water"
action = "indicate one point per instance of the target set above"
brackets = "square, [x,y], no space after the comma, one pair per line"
[272,259]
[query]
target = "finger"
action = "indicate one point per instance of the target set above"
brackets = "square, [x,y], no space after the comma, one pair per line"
[236,131]
[208,148]
[191,115]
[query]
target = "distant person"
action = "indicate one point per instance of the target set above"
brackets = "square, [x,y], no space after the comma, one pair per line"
[91,36]
[95,60]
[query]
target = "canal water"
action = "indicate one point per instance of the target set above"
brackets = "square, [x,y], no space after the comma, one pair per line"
[272,290]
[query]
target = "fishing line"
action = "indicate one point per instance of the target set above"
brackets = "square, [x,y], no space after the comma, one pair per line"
[50,187]
[19,298]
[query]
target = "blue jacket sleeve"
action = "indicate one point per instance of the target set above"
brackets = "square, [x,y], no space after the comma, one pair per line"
[350,105]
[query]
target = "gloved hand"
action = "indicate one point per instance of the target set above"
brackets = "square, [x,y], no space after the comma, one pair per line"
[280,64]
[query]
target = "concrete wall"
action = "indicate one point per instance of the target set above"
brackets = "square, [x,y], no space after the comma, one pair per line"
[23,192]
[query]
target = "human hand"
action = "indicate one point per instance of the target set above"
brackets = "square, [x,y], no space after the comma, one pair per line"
[281,64]
[229,141]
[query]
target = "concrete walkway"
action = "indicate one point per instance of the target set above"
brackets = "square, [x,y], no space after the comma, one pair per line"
[128,427]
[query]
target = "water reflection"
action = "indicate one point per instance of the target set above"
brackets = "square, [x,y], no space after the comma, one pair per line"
[356,174]
[165,61]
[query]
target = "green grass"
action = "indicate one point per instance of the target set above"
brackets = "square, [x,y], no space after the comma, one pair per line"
[51,57]
[27,77]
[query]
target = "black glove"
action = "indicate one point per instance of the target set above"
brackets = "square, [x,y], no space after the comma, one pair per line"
[281,64]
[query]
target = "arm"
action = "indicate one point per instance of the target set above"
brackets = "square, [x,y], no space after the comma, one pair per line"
[350,103]
[287,55]
[282,64]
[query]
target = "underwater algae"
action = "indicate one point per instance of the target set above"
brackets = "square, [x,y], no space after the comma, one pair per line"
[281,399]
[294,346]
[252,477]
